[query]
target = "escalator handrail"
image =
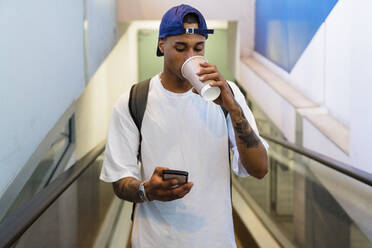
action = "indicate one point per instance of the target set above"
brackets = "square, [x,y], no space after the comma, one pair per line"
[339,166]
[12,228]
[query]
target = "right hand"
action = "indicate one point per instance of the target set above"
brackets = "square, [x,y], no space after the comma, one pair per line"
[157,189]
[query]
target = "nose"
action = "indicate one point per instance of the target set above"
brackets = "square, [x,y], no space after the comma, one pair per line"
[190,52]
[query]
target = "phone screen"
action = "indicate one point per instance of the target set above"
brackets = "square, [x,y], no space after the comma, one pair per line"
[182,176]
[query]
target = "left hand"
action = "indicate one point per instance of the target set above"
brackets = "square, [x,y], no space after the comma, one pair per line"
[210,72]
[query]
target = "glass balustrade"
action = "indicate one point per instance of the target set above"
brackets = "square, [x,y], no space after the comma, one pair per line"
[77,217]
[308,204]
[44,170]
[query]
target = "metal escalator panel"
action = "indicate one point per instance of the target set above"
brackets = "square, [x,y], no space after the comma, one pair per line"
[50,160]
[75,219]
[304,203]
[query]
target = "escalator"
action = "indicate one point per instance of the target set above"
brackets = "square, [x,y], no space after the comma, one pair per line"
[306,200]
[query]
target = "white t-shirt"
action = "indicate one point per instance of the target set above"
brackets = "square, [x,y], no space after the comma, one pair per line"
[182,132]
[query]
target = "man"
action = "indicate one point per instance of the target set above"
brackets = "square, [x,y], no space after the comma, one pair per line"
[182,131]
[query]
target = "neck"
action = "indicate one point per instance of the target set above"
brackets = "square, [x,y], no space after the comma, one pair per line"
[173,83]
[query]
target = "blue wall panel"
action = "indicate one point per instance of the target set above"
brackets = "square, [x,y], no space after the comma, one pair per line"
[284,28]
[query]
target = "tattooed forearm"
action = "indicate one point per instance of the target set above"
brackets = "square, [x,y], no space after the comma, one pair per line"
[126,189]
[252,152]
[245,132]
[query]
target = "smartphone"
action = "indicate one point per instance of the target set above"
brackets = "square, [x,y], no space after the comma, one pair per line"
[182,176]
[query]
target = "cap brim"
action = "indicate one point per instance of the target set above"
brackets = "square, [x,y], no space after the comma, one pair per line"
[159,53]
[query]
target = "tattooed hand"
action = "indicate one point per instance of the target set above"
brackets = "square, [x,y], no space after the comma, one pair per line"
[156,188]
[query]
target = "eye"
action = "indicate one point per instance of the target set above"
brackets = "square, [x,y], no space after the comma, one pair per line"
[199,48]
[180,47]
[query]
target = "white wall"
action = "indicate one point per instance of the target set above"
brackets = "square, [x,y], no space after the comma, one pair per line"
[323,71]
[42,69]
[315,140]
[280,111]
[361,85]
[238,10]
[101,31]
[114,76]
[337,78]
[308,73]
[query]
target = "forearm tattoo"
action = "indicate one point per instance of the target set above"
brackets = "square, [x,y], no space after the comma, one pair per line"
[245,132]
[126,189]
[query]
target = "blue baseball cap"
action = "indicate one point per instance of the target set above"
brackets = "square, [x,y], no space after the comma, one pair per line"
[172,23]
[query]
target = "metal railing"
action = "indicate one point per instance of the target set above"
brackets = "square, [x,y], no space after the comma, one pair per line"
[12,228]
[346,169]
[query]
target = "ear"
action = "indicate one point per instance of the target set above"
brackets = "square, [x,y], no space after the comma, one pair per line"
[161,45]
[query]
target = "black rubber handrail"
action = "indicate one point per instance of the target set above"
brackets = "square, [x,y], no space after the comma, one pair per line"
[12,228]
[346,169]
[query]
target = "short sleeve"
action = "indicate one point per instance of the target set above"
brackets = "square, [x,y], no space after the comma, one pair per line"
[236,164]
[120,158]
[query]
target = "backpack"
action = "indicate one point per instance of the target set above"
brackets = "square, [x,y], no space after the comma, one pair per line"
[137,105]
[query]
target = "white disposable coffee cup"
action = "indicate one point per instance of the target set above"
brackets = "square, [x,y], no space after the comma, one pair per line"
[189,70]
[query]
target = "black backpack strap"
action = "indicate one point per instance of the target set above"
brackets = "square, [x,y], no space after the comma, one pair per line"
[137,106]
[138,101]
